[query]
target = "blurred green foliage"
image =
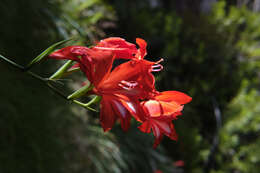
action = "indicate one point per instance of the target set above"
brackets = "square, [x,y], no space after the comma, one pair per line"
[214,57]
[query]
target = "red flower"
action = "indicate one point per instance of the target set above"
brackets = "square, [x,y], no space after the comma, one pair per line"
[128,90]
[157,171]
[179,163]
[159,113]
[121,90]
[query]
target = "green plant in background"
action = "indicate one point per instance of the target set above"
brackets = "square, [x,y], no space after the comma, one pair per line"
[238,151]
[211,56]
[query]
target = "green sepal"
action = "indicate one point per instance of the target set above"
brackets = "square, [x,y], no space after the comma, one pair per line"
[80,92]
[96,99]
[63,69]
[46,52]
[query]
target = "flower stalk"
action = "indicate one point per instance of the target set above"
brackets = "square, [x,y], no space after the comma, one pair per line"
[48,81]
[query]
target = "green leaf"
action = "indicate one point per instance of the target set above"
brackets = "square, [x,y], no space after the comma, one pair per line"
[46,52]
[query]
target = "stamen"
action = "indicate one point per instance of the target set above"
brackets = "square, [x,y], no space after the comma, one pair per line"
[158,62]
[157,67]
[128,85]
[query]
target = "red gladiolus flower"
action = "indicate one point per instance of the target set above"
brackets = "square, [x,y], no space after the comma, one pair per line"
[129,79]
[159,113]
[129,89]
[121,90]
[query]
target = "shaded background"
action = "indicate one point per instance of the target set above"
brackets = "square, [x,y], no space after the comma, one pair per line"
[211,52]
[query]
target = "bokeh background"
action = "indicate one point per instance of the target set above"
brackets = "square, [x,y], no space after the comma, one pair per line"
[211,51]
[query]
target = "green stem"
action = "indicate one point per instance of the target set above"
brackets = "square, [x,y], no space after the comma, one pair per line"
[51,87]
[37,76]
[58,92]
[12,63]
[83,105]
[19,67]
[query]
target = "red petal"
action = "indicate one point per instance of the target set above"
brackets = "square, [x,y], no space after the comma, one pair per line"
[160,109]
[122,113]
[117,109]
[132,71]
[98,64]
[167,128]
[107,115]
[176,96]
[70,52]
[169,108]
[158,135]
[153,108]
[142,47]
[146,127]
[133,106]
[121,48]
[161,128]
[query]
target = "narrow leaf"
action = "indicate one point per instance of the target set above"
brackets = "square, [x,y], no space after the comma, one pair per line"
[46,52]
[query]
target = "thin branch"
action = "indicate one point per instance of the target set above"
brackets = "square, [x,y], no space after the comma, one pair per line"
[48,82]
[19,67]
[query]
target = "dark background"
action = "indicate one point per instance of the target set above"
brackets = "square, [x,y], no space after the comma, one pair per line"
[210,50]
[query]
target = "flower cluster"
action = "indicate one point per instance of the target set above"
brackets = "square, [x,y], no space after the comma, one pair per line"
[129,89]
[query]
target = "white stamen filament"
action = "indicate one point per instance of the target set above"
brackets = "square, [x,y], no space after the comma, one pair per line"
[128,85]
[157,67]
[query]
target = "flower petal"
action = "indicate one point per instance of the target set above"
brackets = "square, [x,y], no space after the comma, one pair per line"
[157,134]
[70,52]
[131,71]
[121,48]
[116,108]
[176,96]
[145,127]
[122,113]
[107,115]
[98,65]
[160,109]
[142,48]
